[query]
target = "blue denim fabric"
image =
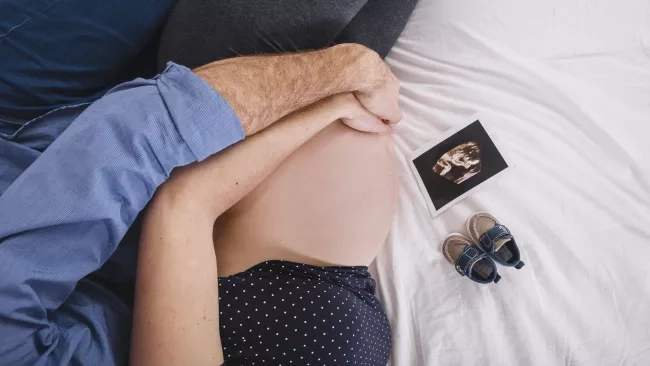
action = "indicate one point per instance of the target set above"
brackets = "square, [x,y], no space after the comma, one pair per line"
[66,205]
[466,261]
[487,240]
[56,53]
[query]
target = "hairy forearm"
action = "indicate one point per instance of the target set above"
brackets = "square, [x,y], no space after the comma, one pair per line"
[263,89]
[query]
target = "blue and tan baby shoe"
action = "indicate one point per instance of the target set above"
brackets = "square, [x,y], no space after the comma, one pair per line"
[494,239]
[469,260]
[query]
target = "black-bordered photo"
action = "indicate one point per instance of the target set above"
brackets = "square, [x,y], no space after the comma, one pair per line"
[450,167]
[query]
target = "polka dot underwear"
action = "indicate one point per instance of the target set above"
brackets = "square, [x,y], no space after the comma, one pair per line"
[285,313]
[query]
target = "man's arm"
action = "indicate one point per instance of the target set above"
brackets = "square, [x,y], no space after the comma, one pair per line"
[263,89]
[176,318]
[64,216]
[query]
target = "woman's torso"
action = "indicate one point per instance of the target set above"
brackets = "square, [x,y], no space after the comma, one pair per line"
[331,203]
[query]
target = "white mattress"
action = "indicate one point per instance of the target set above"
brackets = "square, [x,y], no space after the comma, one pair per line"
[565,87]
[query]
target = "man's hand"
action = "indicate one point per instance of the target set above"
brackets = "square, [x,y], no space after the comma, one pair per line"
[263,89]
[381,95]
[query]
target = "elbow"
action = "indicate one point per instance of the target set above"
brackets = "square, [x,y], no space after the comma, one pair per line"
[173,201]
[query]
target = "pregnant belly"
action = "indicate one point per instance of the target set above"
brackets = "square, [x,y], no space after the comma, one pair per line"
[332,202]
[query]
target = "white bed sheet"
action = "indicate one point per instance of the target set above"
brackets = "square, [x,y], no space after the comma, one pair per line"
[565,87]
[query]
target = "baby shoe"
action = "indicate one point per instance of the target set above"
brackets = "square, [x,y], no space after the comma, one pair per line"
[495,239]
[469,260]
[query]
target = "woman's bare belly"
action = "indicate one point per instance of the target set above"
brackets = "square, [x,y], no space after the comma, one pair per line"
[332,202]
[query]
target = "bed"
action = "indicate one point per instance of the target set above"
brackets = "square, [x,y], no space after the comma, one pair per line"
[565,88]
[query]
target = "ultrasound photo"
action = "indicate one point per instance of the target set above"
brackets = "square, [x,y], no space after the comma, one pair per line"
[448,169]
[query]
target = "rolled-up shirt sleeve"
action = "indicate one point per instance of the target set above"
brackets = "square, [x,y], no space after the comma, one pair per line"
[63,217]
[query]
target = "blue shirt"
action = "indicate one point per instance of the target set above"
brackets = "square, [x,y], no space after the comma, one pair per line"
[71,183]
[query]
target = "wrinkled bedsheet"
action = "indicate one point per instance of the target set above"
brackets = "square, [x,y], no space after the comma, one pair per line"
[565,88]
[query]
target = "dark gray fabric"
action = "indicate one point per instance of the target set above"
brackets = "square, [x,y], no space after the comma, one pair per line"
[203,31]
[378,24]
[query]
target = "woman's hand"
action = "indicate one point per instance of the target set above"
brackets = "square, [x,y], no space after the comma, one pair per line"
[354,115]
